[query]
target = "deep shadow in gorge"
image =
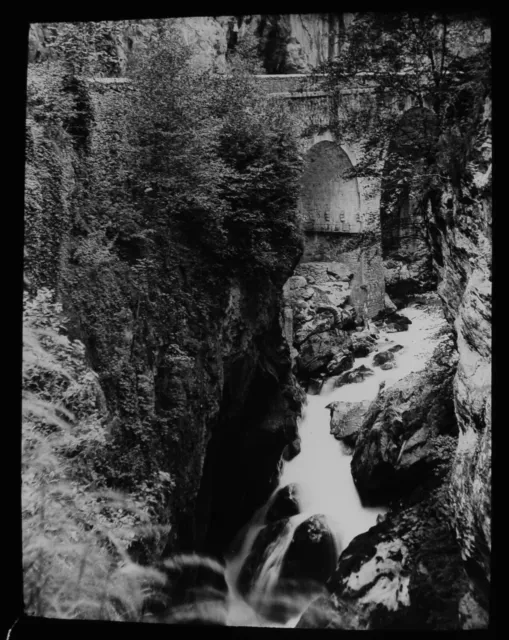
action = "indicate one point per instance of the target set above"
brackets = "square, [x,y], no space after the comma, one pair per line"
[257,420]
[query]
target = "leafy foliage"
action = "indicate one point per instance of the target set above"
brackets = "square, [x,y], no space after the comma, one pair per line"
[212,153]
[436,63]
[75,531]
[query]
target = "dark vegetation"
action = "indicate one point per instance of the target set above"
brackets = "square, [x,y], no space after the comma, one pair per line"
[437,67]
[145,203]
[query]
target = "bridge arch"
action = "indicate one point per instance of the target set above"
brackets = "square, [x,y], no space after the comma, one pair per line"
[328,201]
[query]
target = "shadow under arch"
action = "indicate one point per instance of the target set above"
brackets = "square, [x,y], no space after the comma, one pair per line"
[410,156]
[329,202]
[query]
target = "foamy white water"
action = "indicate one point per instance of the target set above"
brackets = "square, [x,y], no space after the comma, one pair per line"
[322,468]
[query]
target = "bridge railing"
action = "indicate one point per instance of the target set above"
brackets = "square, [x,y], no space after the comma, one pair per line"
[313,226]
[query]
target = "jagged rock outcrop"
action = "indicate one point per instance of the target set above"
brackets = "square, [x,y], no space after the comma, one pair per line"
[408,435]
[317,297]
[462,254]
[288,43]
[406,572]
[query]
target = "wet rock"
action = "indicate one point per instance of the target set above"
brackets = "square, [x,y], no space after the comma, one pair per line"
[356,375]
[318,350]
[397,322]
[383,357]
[314,386]
[346,419]
[396,348]
[340,362]
[261,549]
[408,436]
[291,450]
[285,504]
[312,553]
[363,344]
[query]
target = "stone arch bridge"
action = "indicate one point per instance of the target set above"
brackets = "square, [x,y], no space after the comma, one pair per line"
[335,212]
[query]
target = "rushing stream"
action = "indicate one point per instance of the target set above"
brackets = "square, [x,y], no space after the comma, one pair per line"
[322,468]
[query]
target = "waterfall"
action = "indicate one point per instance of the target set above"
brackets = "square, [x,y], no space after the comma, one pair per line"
[322,469]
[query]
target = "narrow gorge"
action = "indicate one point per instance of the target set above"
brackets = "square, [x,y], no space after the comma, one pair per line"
[257,321]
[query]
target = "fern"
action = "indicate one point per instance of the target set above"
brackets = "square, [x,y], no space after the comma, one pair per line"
[75,562]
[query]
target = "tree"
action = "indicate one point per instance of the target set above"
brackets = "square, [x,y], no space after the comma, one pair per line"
[212,153]
[441,63]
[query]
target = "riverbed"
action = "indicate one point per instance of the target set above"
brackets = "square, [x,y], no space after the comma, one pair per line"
[322,468]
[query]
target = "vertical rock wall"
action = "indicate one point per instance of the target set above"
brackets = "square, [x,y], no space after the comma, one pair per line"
[290,43]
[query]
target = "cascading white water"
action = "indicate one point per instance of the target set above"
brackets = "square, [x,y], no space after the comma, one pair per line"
[322,468]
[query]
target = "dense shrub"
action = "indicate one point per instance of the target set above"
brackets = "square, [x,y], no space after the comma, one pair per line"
[75,531]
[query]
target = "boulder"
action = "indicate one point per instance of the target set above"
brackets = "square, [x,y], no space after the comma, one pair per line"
[388,365]
[363,344]
[342,361]
[382,357]
[346,419]
[284,505]
[312,553]
[291,450]
[355,375]
[318,350]
[416,412]
[307,564]
[397,322]
[396,348]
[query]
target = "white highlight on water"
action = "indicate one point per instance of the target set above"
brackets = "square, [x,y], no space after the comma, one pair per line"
[322,468]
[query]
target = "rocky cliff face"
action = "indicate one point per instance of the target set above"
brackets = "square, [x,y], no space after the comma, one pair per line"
[293,43]
[195,369]
[462,257]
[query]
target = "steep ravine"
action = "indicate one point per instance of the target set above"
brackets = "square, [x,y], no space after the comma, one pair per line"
[190,354]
